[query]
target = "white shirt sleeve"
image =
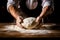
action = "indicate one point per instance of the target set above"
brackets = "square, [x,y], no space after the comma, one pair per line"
[10,2]
[46,3]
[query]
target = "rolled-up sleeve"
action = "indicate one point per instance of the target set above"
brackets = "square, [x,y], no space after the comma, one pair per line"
[46,3]
[10,2]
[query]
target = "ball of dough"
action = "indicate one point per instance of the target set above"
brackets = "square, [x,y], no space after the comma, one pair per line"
[28,22]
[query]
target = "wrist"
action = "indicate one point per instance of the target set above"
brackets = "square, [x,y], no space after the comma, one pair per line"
[19,17]
[40,16]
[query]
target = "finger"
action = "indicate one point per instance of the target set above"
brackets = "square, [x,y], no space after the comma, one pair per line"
[19,21]
[20,17]
[19,25]
[37,19]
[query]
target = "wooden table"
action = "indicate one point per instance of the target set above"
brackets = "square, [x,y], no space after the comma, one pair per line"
[15,34]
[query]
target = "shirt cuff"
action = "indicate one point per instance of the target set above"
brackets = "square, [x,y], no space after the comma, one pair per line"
[10,2]
[46,4]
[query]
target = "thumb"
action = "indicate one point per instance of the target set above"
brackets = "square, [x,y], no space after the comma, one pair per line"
[37,19]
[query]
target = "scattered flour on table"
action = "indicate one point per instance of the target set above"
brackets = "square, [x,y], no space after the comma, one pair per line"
[16,28]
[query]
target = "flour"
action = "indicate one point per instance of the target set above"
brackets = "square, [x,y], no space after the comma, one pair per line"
[30,32]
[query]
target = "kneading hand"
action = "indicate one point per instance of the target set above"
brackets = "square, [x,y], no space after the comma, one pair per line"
[19,20]
[38,20]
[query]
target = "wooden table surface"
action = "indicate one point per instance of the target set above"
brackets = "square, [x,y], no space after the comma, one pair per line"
[15,34]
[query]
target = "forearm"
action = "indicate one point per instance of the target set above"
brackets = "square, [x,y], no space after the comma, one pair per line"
[44,10]
[13,11]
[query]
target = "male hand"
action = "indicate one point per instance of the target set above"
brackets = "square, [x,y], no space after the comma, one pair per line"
[19,20]
[38,20]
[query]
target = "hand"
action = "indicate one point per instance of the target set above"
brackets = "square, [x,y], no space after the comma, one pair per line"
[19,20]
[38,20]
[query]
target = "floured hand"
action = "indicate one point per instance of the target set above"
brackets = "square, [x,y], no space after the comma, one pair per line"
[19,21]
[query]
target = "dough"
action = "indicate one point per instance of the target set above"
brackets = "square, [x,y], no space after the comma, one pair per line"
[29,22]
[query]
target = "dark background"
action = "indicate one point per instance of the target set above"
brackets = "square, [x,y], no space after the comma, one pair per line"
[6,17]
